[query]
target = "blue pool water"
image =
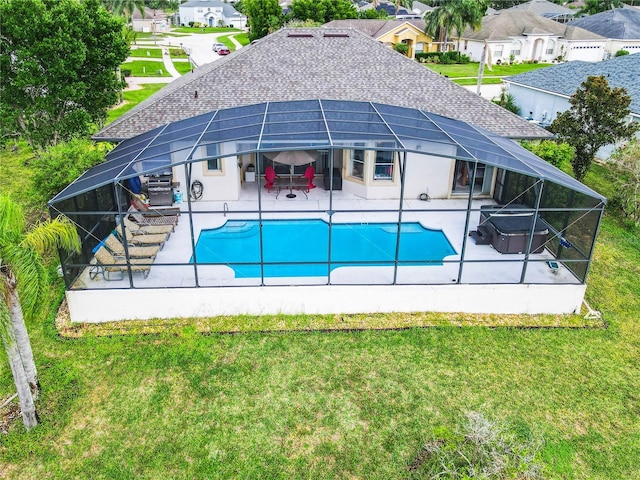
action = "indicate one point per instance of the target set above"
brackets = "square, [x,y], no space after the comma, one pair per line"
[306,241]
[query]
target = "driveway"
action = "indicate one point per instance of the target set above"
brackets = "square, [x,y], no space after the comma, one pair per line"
[198,46]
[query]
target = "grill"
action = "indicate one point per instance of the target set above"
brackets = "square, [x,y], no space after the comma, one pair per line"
[160,190]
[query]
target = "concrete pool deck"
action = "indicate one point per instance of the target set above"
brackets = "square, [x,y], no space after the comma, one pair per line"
[489,283]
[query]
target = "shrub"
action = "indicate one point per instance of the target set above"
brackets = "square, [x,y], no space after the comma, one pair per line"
[126,72]
[621,53]
[62,164]
[557,154]
[402,48]
[508,101]
[481,448]
[626,176]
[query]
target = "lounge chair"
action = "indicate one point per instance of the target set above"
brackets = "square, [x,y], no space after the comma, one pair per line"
[144,239]
[143,219]
[156,212]
[115,246]
[137,229]
[106,264]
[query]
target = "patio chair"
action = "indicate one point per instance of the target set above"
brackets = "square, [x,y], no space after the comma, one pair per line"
[106,264]
[269,177]
[115,246]
[310,174]
[137,229]
[145,239]
[143,219]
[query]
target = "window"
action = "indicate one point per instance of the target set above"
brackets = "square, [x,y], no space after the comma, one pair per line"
[551,46]
[466,44]
[213,165]
[383,169]
[419,47]
[356,164]
[497,53]
[516,48]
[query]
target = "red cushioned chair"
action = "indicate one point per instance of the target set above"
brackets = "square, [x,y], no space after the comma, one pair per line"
[270,177]
[310,174]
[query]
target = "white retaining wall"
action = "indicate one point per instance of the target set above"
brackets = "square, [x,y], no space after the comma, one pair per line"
[94,306]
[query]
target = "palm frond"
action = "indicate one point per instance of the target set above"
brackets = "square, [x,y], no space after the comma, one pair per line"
[56,233]
[11,218]
[30,274]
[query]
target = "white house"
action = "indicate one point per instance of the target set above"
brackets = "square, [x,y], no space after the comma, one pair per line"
[543,94]
[620,26]
[212,13]
[528,36]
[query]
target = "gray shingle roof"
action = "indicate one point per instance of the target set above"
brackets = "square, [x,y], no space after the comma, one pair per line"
[374,28]
[541,7]
[565,79]
[515,23]
[303,64]
[620,23]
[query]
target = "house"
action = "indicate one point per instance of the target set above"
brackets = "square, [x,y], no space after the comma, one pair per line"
[211,13]
[392,32]
[620,26]
[546,9]
[543,94]
[153,21]
[516,35]
[422,199]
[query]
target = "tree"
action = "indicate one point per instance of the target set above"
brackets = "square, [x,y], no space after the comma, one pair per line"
[507,101]
[591,7]
[626,170]
[557,154]
[58,60]
[322,11]
[23,279]
[408,4]
[453,15]
[597,117]
[60,165]
[265,16]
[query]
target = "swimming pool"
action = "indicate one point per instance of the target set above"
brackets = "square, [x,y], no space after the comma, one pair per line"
[238,241]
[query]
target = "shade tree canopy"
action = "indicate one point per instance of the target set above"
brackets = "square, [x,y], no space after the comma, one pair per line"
[59,61]
[597,117]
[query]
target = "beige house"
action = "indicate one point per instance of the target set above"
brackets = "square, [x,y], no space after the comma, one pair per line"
[392,32]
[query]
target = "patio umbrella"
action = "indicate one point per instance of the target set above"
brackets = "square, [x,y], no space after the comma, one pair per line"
[292,158]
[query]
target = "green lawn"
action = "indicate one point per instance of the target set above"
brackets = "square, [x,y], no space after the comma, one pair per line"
[144,52]
[471,69]
[205,30]
[182,67]
[145,68]
[345,404]
[132,98]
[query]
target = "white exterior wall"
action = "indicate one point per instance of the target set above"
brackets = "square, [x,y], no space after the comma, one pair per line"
[631,46]
[428,174]
[588,51]
[95,306]
[216,186]
[538,102]
[203,14]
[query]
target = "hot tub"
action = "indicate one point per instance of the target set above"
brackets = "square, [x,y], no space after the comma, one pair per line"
[508,228]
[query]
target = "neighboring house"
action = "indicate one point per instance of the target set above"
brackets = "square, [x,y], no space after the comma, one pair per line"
[546,9]
[543,94]
[620,26]
[528,36]
[392,32]
[212,13]
[154,21]
[395,147]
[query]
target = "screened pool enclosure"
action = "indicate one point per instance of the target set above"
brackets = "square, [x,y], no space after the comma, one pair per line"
[509,217]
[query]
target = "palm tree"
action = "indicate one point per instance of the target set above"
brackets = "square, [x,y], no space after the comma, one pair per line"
[23,278]
[453,15]
[408,4]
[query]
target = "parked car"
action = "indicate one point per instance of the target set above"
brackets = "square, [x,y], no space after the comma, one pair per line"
[224,51]
[218,46]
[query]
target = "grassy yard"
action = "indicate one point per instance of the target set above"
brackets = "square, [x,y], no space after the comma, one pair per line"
[143,52]
[145,68]
[205,30]
[132,98]
[471,69]
[342,404]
